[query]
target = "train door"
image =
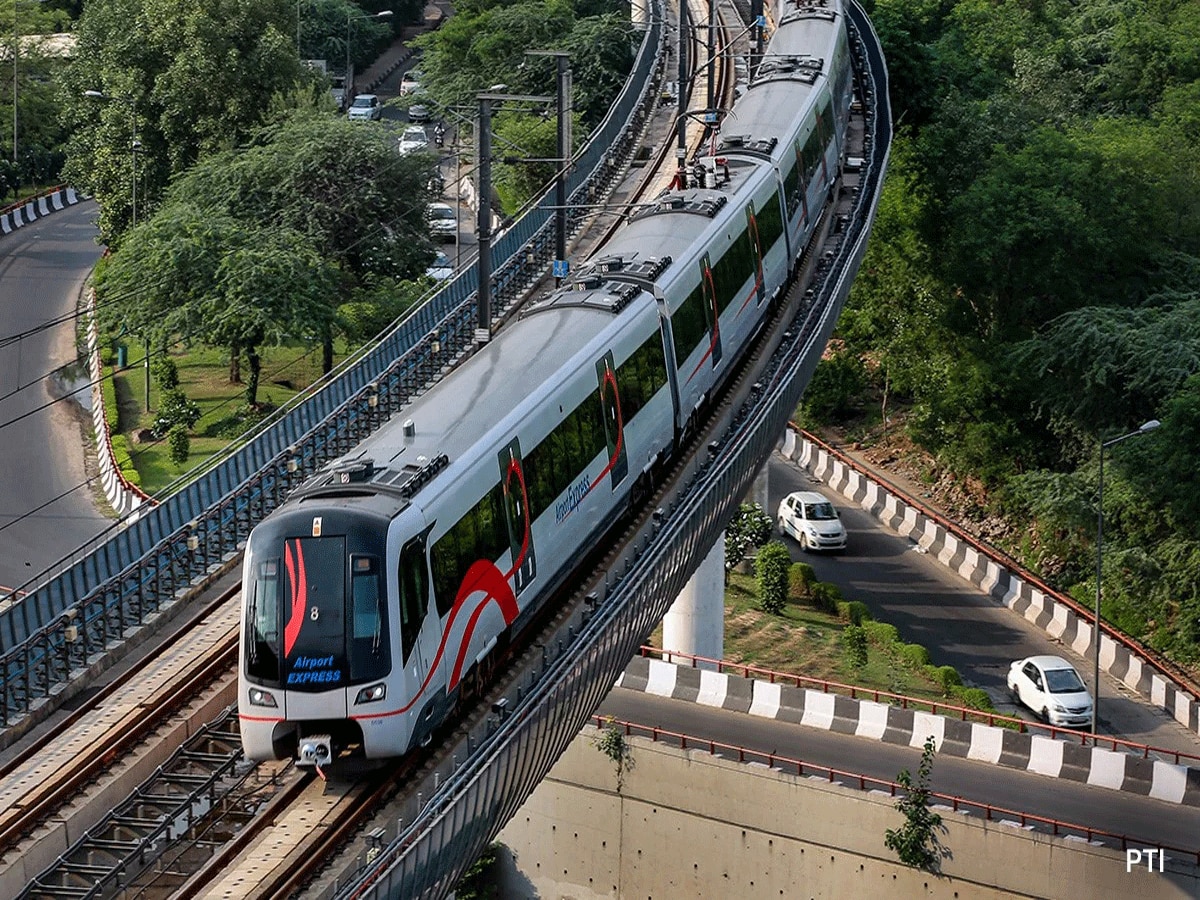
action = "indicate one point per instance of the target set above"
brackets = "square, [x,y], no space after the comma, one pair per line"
[614,424]
[518,517]
[760,287]
[712,313]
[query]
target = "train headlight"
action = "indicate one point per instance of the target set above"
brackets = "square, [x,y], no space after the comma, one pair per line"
[371,694]
[259,697]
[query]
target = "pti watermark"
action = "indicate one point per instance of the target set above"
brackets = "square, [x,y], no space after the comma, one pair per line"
[1135,855]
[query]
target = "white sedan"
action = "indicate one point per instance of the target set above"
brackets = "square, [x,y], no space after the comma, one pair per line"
[1050,686]
[812,520]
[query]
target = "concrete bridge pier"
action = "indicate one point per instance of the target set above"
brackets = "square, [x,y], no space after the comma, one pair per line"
[695,623]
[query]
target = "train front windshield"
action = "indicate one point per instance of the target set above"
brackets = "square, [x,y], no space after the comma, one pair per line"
[298,634]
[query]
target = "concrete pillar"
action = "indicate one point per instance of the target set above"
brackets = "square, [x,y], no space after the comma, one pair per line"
[758,491]
[695,623]
[639,14]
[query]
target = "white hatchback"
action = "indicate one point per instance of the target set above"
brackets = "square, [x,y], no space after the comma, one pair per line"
[812,520]
[365,108]
[1050,686]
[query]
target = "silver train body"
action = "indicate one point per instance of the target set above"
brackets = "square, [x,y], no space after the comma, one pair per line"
[381,586]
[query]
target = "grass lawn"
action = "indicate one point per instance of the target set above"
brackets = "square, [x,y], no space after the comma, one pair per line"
[204,379]
[806,641]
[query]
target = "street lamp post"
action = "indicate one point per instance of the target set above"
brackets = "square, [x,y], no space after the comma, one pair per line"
[350,19]
[1147,427]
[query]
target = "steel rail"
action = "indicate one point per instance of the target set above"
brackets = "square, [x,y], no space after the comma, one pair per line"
[19,820]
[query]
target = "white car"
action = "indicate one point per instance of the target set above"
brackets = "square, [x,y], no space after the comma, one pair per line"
[365,108]
[410,82]
[443,222]
[442,269]
[413,140]
[812,520]
[1050,686]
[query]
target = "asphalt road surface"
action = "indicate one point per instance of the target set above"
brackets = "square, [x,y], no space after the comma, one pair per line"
[46,509]
[956,622]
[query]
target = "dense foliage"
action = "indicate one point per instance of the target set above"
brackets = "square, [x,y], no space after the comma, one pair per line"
[312,227]
[1031,285]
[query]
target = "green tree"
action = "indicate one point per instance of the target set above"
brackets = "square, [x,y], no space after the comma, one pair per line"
[749,527]
[915,842]
[771,569]
[183,80]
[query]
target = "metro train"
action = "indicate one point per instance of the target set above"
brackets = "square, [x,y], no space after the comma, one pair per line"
[386,583]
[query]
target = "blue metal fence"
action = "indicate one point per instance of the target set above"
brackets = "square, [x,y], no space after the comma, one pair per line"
[93,596]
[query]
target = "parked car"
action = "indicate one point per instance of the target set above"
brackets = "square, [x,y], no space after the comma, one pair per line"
[410,81]
[442,269]
[413,139]
[812,520]
[1050,686]
[443,222]
[365,108]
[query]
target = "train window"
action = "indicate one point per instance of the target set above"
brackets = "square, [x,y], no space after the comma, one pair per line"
[414,593]
[733,269]
[825,122]
[812,154]
[369,656]
[480,534]
[641,376]
[563,455]
[262,617]
[770,223]
[792,181]
[688,325]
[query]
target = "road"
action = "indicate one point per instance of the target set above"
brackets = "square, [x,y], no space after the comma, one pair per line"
[1119,812]
[46,509]
[957,623]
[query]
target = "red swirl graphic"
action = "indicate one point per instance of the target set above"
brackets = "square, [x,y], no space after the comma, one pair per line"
[293,558]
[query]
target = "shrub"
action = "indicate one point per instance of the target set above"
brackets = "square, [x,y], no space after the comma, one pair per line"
[123,460]
[165,372]
[948,678]
[771,569]
[973,698]
[843,610]
[858,612]
[178,444]
[854,643]
[175,409]
[914,655]
[800,580]
[825,596]
[881,632]
[915,842]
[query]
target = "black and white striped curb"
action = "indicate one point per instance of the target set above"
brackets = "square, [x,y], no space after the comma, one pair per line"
[1035,753]
[20,216]
[1057,619]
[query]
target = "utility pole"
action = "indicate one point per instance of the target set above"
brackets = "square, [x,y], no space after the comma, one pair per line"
[483,331]
[681,111]
[564,102]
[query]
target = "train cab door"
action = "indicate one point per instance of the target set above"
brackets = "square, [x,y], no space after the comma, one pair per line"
[315,663]
[413,583]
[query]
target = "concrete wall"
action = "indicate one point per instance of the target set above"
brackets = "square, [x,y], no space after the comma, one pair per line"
[688,824]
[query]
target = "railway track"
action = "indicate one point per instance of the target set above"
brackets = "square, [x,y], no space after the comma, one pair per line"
[62,783]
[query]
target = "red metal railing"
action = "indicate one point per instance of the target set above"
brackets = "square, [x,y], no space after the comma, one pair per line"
[990,811]
[20,204]
[963,713]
